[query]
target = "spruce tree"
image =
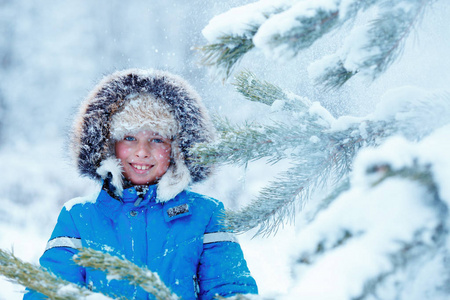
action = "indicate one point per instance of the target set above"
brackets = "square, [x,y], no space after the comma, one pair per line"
[383,228]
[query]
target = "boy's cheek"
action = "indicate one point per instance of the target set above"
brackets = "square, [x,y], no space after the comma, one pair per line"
[122,151]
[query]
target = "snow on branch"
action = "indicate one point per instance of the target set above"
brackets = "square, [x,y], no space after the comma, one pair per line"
[405,185]
[321,148]
[230,34]
[283,35]
[283,28]
[372,48]
[42,281]
[318,157]
[123,269]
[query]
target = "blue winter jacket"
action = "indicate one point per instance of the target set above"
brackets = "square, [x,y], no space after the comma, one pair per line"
[180,239]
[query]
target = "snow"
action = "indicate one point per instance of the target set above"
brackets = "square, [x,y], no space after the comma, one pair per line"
[323,115]
[42,81]
[238,21]
[415,111]
[380,220]
[81,200]
[283,22]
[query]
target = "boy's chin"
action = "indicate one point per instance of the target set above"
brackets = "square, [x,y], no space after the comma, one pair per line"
[138,181]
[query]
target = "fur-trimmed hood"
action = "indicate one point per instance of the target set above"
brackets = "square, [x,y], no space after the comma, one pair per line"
[92,140]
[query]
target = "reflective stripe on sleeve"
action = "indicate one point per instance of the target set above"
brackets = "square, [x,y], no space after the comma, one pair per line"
[219,237]
[64,242]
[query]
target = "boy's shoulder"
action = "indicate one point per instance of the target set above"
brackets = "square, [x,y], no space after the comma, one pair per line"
[200,199]
[79,201]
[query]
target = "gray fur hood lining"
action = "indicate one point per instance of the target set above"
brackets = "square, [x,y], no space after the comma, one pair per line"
[91,133]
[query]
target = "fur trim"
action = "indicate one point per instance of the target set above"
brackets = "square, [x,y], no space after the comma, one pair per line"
[144,112]
[92,136]
[176,178]
[112,166]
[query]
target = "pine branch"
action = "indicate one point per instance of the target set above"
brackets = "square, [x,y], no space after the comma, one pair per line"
[257,90]
[228,51]
[240,144]
[388,33]
[125,270]
[309,22]
[333,76]
[227,48]
[416,173]
[413,255]
[415,251]
[308,28]
[403,251]
[331,158]
[319,154]
[385,36]
[40,280]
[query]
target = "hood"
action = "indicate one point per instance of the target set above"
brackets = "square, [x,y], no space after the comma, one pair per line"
[92,139]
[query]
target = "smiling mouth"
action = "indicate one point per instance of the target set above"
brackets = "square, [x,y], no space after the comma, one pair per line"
[141,167]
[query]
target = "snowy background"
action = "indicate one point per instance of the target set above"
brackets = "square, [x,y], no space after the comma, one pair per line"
[52,53]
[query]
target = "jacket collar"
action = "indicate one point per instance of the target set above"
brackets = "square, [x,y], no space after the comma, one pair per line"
[112,206]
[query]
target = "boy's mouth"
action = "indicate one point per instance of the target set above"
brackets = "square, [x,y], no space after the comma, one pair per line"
[141,167]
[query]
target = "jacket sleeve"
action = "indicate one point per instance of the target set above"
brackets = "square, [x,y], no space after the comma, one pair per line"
[57,258]
[223,270]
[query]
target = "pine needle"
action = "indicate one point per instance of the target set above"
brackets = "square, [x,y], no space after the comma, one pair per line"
[226,53]
[257,90]
[122,268]
[40,280]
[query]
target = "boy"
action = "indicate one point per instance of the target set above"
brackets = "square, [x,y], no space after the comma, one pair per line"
[133,134]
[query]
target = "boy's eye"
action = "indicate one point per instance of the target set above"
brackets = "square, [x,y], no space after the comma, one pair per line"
[129,138]
[156,140]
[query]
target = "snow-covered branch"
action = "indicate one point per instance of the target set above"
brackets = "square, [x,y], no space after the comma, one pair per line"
[42,281]
[281,29]
[375,238]
[122,269]
[321,147]
[254,89]
[370,49]
[230,35]
[317,158]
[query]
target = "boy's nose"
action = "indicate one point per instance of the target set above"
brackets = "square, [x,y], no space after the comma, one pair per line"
[142,151]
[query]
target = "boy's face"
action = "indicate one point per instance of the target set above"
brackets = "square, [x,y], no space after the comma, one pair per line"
[145,156]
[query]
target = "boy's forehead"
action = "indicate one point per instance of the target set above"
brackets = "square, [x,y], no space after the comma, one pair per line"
[147,134]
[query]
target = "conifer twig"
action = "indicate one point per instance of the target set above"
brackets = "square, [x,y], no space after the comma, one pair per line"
[241,144]
[224,54]
[257,90]
[317,163]
[422,244]
[121,268]
[40,280]
[307,29]
[385,36]
[319,154]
